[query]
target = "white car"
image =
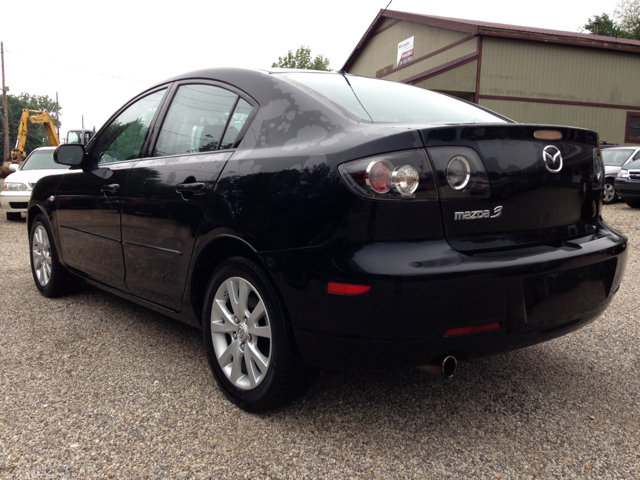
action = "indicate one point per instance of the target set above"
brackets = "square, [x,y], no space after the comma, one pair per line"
[17,187]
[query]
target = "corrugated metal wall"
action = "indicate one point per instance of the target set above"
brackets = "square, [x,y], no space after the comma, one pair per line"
[381,51]
[460,79]
[520,69]
[559,72]
[608,122]
[515,68]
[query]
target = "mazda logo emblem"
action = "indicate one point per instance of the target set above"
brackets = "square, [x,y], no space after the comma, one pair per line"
[552,158]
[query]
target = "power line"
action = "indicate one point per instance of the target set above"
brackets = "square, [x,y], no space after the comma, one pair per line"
[58,65]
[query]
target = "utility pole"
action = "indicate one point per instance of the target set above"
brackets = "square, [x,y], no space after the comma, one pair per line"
[57,116]
[5,113]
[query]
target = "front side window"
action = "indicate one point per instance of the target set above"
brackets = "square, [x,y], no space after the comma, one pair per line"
[632,135]
[196,121]
[124,137]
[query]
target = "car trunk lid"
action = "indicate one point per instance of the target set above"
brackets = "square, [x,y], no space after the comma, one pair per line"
[540,191]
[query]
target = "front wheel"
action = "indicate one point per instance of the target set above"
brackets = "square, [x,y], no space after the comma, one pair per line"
[250,349]
[50,276]
[609,195]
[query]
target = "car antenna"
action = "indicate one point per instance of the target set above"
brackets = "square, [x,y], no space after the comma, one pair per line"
[356,95]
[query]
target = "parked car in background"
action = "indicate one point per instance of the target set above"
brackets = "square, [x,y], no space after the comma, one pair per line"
[614,158]
[316,219]
[627,183]
[17,187]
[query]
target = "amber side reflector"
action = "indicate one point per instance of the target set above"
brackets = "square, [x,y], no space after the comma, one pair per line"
[473,329]
[347,288]
[548,135]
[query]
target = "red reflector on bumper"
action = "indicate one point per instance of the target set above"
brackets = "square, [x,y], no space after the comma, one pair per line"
[347,288]
[473,329]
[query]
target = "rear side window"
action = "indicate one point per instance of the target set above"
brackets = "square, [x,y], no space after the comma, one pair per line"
[238,119]
[381,101]
[616,158]
[202,118]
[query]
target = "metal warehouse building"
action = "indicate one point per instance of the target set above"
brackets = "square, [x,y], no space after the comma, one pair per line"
[531,75]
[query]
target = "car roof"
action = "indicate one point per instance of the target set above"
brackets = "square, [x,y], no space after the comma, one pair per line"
[251,80]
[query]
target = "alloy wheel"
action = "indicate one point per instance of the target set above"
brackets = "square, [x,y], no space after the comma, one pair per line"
[241,333]
[41,254]
[609,193]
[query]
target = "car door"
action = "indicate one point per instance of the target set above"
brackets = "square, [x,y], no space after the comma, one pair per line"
[88,203]
[166,194]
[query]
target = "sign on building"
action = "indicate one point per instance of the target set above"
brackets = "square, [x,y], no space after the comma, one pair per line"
[405,51]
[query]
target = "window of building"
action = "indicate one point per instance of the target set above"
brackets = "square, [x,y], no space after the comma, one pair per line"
[632,133]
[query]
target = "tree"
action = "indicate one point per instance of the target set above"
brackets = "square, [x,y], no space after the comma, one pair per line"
[627,13]
[36,136]
[606,26]
[302,60]
[624,24]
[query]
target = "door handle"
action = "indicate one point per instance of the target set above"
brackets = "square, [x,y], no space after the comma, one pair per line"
[111,188]
[196,188]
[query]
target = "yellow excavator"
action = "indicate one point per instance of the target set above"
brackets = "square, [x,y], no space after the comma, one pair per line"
[27,117]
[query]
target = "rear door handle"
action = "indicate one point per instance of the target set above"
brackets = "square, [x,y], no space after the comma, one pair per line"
[197,188]
[111,188]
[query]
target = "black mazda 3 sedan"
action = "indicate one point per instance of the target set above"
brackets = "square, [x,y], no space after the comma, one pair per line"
[312,219]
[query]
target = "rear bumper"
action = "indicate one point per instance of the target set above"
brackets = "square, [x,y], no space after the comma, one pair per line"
[419,291]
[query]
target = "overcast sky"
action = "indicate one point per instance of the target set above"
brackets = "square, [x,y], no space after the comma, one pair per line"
[97,56]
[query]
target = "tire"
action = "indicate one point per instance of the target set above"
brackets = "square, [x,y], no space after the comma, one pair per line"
[50,276]
[633,203]
[14,216]
[609,195]
[251,350]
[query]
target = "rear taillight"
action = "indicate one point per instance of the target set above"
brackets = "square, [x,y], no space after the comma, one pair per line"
[460,172]
[398,175]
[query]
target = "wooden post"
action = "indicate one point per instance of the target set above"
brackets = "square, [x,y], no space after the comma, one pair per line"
[5,112]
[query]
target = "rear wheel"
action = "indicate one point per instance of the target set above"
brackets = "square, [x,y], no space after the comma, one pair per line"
[51,277]
[609,195]
[250,350]
[13,216]
[633,203]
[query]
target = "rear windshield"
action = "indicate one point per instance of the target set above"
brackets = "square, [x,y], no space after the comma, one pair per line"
[381,101]
[616,157]
[41,160]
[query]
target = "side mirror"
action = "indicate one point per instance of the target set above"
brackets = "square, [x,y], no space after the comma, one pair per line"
[70,154]
[14,167]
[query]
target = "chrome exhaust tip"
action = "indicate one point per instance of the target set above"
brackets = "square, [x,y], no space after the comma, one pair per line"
[444,368]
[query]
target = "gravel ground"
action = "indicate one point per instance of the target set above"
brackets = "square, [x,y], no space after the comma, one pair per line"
[92,386]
